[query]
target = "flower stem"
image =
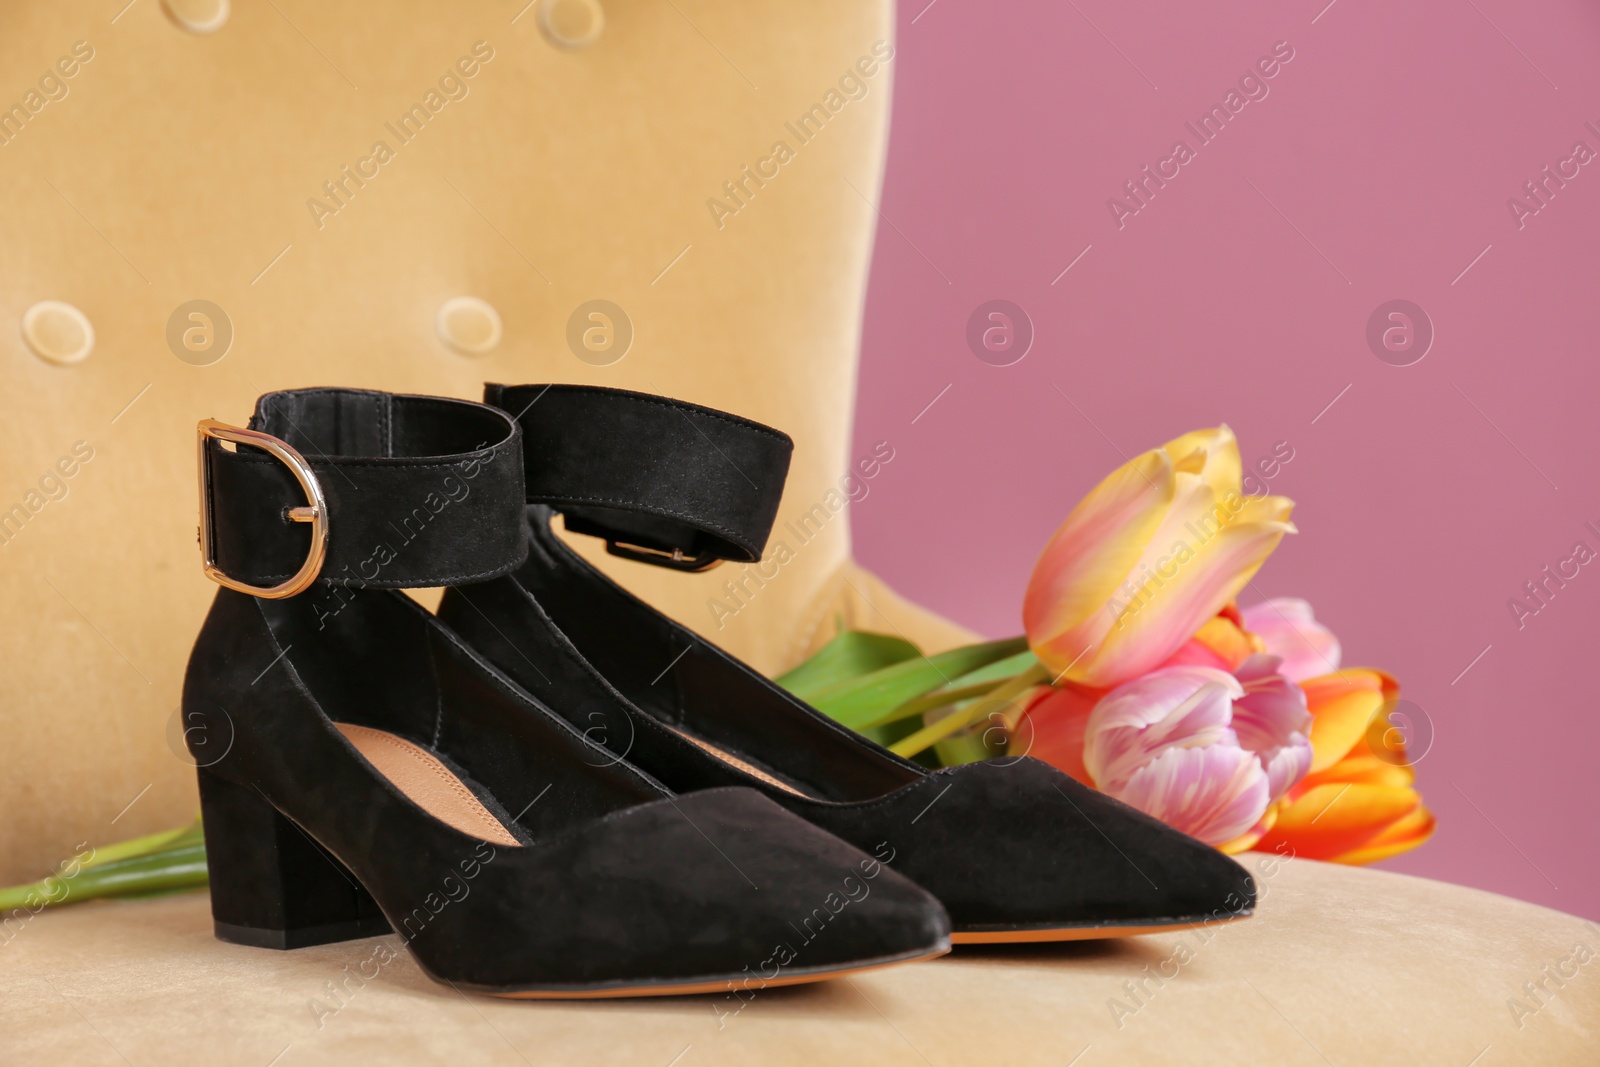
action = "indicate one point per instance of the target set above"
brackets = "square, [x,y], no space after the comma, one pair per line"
[933,701]
[979,709]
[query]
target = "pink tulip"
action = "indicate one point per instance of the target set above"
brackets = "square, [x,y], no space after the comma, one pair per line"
[1290,632]
[1272,720]
[1201,749]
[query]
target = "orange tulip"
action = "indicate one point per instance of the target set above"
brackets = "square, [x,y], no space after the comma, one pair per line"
[1358,804]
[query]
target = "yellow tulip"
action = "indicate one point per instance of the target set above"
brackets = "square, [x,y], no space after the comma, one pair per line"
[1156,549]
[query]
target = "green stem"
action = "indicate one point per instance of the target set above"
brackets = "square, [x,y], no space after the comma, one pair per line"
[975,712]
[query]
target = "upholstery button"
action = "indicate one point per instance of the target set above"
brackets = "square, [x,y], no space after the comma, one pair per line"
[57,332]
[198,16]
[571,23]
[468,325]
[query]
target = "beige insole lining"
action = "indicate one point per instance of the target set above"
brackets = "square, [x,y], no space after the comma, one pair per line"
[431,785]
[734,761]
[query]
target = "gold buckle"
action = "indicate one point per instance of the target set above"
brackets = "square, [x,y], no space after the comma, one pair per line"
[675,559]
[315,512]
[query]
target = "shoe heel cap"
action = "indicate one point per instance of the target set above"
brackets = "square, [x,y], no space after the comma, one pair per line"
[302,936]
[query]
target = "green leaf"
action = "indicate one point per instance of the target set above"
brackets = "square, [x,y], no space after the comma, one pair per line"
[863,700]
[968,686]
[143,846]
[178,864]
[849,655]
[175,868]
[1000,669]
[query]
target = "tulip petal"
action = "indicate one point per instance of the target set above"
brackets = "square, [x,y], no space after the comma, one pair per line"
[1197,653]
[1177,707]
[1216,793]
[1402,835]
[1363,767]
[1342,705]
[1220,642]
[1271,720]
[1247,840]
[1386,733]
[1090,555]
[1052,729]
[1285,764]
[1330,820]
[1208,566]
[1217,451]
[1290,631]
[1261,509]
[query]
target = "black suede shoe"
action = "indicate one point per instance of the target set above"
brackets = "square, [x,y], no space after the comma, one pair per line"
[362,769]
[1016,850]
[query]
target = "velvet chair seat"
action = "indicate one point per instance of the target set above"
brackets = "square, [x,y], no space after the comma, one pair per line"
[1340,966]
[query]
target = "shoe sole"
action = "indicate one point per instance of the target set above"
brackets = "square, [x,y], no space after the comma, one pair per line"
[721,985]
[1085,932]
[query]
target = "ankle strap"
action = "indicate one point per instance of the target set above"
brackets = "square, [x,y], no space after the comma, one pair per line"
[662,481]
[360,488]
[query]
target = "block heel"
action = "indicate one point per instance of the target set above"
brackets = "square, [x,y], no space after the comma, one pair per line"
[272,886]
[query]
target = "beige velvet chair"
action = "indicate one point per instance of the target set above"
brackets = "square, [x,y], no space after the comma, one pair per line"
[709,168]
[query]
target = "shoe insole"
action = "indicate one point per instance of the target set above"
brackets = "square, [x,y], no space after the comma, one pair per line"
[734,761]
[429,784]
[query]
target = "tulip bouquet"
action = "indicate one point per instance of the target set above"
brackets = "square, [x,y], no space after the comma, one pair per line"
[1141,676]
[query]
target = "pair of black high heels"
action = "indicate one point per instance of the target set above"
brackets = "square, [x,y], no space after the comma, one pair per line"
[550,789]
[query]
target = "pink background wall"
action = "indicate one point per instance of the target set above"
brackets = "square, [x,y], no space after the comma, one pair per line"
[1377,167]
